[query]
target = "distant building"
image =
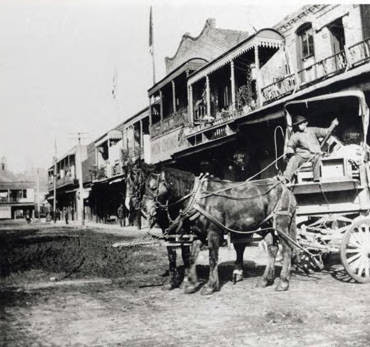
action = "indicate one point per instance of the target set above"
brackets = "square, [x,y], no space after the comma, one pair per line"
[17,194]
[65,175]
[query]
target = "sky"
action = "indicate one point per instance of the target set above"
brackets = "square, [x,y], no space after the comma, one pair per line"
[59,60]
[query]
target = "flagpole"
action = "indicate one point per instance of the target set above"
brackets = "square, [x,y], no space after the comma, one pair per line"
[151,42]
[55,182]
[153,63]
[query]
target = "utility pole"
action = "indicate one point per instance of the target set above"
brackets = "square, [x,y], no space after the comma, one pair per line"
[55,183]
[80,197]
[38,194]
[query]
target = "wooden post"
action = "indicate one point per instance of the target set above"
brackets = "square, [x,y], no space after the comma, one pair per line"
[173,96]
[161,104]
[232,81]
[150,115]
[38,194]
[208,91]
[258,77]
[190,104]
[141,135]
[80,198]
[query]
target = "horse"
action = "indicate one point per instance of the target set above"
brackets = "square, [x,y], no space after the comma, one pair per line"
[163,220]
[215,207]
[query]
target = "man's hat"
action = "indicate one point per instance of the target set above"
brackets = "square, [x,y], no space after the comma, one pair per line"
[299,119]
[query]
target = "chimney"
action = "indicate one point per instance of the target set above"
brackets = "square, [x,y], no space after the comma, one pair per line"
[211,22]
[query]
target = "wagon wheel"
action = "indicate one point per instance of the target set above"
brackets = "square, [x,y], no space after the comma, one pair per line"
[355,250]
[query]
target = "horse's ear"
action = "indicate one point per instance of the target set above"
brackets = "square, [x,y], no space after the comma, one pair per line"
[163,176]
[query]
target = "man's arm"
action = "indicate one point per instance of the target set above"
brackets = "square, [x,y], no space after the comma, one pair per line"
[323,132]
[292,144]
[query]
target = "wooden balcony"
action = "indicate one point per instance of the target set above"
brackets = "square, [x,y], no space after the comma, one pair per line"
[169,123]
[328,67]
[62,182]
[280,88]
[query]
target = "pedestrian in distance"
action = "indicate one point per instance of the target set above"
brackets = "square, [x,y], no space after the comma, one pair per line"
[121,215]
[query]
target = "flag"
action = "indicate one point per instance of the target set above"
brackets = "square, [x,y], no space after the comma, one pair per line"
[114,83]
[150,31]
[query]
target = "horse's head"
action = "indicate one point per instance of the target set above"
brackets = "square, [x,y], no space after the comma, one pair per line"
[156,195]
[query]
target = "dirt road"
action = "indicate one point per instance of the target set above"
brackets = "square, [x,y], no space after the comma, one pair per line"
[114,297]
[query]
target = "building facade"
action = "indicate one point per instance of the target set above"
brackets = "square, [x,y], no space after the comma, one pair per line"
[17,194]
[220,106]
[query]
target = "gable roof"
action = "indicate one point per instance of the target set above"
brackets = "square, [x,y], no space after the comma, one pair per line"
[210,43]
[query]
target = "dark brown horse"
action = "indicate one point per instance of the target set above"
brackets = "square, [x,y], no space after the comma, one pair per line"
[164,214]
[217,207]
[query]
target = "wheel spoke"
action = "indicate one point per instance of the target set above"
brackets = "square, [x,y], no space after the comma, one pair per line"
[353,258]
[355,249]
[355,265]
[361,268]
[355,238]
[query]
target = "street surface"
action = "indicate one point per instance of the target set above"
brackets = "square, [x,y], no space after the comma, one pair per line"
[69,287]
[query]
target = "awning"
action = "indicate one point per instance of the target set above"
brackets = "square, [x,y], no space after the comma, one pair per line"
[203,147]
[266,37]
[323,103]
[114,134]
[191,64]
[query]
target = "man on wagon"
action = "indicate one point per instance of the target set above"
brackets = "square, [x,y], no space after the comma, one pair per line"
[304,146]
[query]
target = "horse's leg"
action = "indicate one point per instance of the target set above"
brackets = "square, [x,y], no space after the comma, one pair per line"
[287,253]
[174,276]
[191,282]
[238,268]
[269,273]
[213,281]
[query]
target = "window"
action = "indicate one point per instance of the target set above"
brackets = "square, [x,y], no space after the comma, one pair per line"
[24,193]
[305,34]
[336,30]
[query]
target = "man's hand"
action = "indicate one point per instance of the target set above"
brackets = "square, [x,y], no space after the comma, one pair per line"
[335,122]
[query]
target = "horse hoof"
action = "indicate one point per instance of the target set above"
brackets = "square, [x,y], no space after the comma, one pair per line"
[190,289]
[207,291]
[263,283]
[170,286]
[282,286]
[237,276]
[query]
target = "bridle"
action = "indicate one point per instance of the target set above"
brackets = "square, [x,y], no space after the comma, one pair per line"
[154,194]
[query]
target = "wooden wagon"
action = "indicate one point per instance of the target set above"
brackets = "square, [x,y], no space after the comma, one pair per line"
[333,213]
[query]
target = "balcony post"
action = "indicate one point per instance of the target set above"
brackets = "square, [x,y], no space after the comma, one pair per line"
[258,75]
[8,195]
[232,81]
[173,96]
[347,57]
[208,93]
[161,108]
[190,103]
[141,134]
[150,114]
[161,105]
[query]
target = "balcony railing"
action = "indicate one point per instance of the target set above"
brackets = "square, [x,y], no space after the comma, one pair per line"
[200,111]
[61,182]
[353,56]
[172,122]
[279,88]
[107,171]
[359,52]
[323,69]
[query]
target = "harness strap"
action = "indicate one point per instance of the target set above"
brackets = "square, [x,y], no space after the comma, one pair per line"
[224,227]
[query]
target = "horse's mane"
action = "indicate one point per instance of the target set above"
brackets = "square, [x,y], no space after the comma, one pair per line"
[181,182]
